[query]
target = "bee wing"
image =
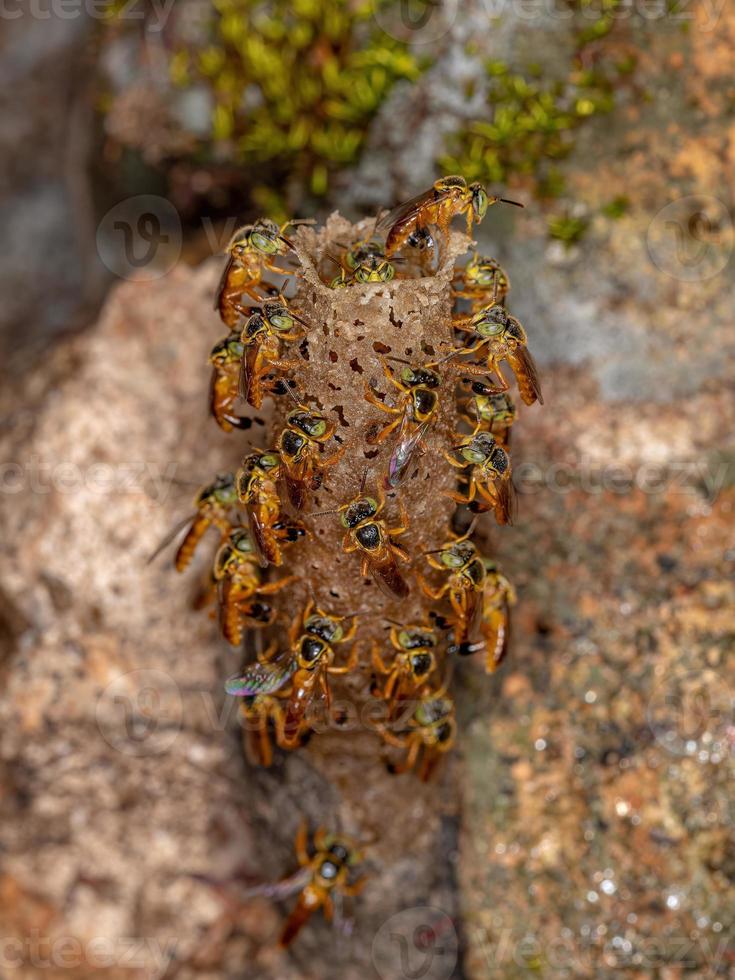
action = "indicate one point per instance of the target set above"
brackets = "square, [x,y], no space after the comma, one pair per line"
[505,506]
[524,368]
[293,482]
[258,678]
[171,536]
[259,537]
[280,889]
[406,445]
[222,282]
[388,578]
[496,628]
[408,210]
[247,370]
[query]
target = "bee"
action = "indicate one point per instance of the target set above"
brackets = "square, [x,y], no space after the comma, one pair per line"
[240,587]
[432,727]
[367,533]
[323,880]
[373,268]
[498,595]
[413,663]
[448,197]
[263,688]
[214,506]
[363,251]
[251,250]
[483,282]
[256,483]
[262,336]
[490,476]
[415,412]
[465,580]
[503,338]
[489,410]
[299,445]
[225,359]
[313,636]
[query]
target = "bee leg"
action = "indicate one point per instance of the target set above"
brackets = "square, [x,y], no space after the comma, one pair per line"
[354,889]
[384,433]
[390,738]
[378,662]
[428,765]
[427,590]
[350,665]
[454,462]
[324,681]
[410,761]
[397,550]
[266,751]
[272,587]
[348,545]
[389,375]
[461,498]
[350,634]
[267,654]
[300,844]
[295,627]
[328,908]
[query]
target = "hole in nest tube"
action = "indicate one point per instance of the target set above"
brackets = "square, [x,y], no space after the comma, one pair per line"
[370,453]
[381,348]
[339,410]
[333,356]
[355,365]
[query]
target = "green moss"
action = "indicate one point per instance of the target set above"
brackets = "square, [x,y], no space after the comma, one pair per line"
[295,84]
[567,228]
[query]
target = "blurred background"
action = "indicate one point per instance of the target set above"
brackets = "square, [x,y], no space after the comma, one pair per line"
[592,827]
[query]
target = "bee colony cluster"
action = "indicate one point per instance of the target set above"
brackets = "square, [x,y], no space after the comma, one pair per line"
[383,358]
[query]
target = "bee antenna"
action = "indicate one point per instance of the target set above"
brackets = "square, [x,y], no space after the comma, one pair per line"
[505,200]
[398,360]
[364,481]
[323,513]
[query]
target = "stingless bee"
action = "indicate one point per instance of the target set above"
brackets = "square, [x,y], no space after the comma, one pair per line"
[262,337]
[263,688]
[256,483]
[251,250]
[367,533]
[432,727]
[323,880]
[465,574]
[413,663]
[488,410]
[215,506]
[415,412]
[498,595]
[225,358]
[299,445]
[503,338]
[489,476]
[313,636]
[448,197]
[240,587]
[483,282]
